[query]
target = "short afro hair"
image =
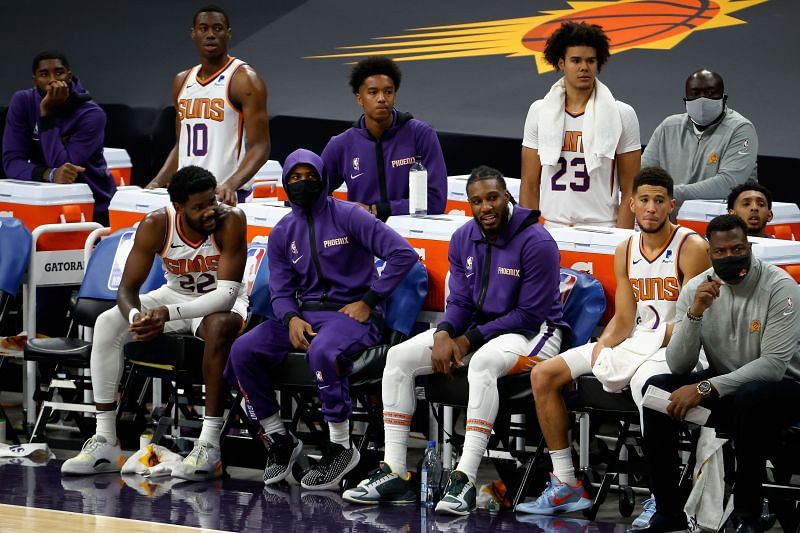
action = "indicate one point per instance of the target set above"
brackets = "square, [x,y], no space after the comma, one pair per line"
[49,54]
[725,223]
[656,176]
[190,180]
[577,34]
[749,185]
[211,8]
[372,66]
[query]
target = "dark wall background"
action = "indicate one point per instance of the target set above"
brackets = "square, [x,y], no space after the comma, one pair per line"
[126,54]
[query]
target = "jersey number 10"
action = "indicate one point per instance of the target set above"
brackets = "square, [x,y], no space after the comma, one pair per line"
[582,185]
[196,139]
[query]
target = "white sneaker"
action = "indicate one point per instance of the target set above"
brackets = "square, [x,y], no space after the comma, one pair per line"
[96,456]
[203,463]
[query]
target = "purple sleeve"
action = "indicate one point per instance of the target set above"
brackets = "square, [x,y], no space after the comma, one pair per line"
[427,145]
[331,156]
[80,146]
[283,282]
[460,307]
[17,144]
[387,244]
[541,275]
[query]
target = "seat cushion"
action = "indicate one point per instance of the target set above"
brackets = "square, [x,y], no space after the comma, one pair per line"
[71,352]
[171,351]
[455,390]
[592,397]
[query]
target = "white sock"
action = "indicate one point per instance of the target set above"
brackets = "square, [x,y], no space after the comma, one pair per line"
[212,427]
[273,424]
[396,427]
[107,425]
[340,433]
[562,466]
[476,439]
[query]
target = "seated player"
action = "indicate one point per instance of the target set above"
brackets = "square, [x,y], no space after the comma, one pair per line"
[203,247]
[327,296]
[650,268]
[503,312]
[752,203]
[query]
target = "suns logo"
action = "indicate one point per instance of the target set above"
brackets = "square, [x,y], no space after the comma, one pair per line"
[629,24]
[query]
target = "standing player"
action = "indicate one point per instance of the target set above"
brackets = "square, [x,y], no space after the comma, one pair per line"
[221,106]
[650,269]
[580,147]
[203,247]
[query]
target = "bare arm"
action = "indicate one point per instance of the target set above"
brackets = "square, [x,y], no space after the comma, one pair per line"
[249,92]
[146,244]
[170,166]
[628,165]
[531,175]
[621,324]
[232,239]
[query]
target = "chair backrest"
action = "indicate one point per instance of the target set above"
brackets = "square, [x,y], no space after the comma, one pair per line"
[256,279]
[15,254]
[583,301]
[98,291]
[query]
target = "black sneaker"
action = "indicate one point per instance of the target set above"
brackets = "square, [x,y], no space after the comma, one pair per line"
[336,462]
[382,485]
[282,453]
[459,495]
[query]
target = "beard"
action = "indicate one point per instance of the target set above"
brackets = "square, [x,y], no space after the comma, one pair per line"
[655,230]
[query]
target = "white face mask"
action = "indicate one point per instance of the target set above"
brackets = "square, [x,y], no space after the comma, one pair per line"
[703,111]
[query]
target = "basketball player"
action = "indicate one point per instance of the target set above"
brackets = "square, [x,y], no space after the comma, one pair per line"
[650,268]
[752,203]
[580,147]
[221,106]
[506,251]
[203,247]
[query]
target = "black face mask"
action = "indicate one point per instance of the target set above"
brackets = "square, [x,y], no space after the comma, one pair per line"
[303,192]
[732,268]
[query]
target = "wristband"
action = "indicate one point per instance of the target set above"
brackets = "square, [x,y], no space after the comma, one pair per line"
[693,318]
[51,175]
[132,314]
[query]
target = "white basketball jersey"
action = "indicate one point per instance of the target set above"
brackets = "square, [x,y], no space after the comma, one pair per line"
[212,132]
[656,281]
[190,267]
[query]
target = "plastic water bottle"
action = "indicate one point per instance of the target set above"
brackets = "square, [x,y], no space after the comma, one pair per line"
[418,188]
[430,475]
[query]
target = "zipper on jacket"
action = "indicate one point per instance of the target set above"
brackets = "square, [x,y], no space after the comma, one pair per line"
[381,170]
[484,278]
[315,256]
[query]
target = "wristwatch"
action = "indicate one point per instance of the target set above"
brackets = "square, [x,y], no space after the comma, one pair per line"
[704,388]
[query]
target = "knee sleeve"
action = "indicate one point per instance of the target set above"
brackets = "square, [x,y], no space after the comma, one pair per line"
[398,389]
[483,397]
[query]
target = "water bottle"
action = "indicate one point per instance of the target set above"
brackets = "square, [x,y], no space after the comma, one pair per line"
[430,475]
[418,188]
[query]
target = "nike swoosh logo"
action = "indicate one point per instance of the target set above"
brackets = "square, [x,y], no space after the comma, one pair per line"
[636,261]
[357,175]
[176,246]
[559,501]
[787,313]
[294,261]
[469,275]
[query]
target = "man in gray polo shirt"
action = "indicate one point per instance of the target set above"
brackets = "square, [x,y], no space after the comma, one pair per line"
[708,150]
[742,312]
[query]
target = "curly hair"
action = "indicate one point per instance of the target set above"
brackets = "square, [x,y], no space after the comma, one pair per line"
[749,185]
[373,66]
[190,180]
[577,34]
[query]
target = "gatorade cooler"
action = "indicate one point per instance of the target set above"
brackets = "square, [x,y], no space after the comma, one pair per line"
[457,203]
[119,165]
[262,217]
[591,249]
[266,180]
[785,223]
[129,205]
[430,236]
[37,203]
[340,192]
[785,254]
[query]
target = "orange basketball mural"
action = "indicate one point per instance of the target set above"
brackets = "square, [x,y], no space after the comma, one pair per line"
[642,24]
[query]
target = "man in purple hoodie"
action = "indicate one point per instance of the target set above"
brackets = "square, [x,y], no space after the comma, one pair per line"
[54,132]
[375,155]
[502,314]
[327,296]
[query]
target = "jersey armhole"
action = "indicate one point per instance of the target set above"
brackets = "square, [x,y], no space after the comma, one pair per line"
[167,232]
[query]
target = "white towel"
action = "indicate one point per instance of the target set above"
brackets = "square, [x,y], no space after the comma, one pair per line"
[705,509]
[602,126]
[616,366]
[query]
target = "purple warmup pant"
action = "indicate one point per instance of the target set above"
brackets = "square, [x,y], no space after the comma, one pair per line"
[256,353]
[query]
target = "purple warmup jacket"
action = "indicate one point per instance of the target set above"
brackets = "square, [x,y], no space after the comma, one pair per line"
[326,257]
[376,170]
[74,134]
[507,286]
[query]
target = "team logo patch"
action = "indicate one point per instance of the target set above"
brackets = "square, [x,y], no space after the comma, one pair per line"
[319,376]
[468,266]
[713,158]
[220,80]
[293,248]
[755,326]
[668,257]
[356,164]
[789,306]
[630,25]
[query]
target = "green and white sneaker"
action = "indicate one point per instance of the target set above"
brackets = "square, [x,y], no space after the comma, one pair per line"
[203,462]
[459,495]
[382,486]
[96,456]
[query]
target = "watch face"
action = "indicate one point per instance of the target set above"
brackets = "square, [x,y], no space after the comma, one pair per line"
[704,387]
